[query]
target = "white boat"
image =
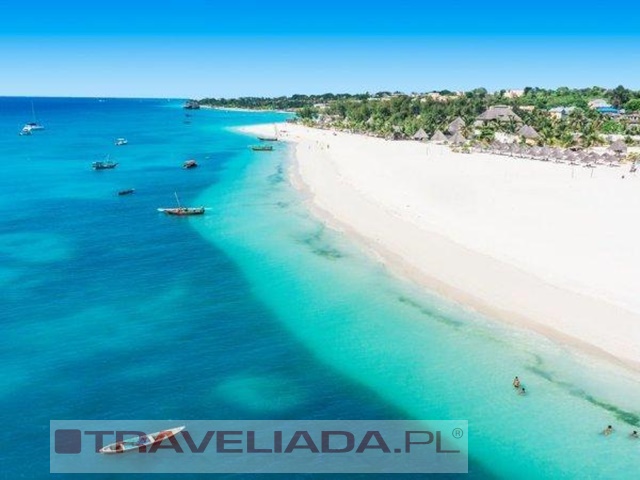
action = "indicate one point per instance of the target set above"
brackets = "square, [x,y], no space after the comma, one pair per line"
[121,141]
[139,441]
[32,126]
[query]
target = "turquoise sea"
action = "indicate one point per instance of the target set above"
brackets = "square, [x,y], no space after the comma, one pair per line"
[111,310]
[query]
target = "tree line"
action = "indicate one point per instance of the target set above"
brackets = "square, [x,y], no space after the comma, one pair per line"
[394,113]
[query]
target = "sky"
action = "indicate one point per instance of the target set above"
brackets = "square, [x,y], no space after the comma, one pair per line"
[198,48]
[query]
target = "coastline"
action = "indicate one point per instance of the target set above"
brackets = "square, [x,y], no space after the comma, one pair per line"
[425,252]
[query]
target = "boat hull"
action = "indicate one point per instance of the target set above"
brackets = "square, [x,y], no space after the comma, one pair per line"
[136,443]
[183,211]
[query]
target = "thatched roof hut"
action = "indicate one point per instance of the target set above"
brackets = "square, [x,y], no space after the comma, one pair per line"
[420,135]
[458,139]
[618,147]
[528,132]
[500,113]
[438,136]
[455,126]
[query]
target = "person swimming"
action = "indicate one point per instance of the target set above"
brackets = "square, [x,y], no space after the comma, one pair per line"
[634,434]
[608,431]
[516,382]
[522,391]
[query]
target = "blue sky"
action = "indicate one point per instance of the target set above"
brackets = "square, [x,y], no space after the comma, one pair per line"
[196,48]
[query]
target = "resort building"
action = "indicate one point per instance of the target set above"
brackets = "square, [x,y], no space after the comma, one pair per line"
[499,113]
[598,103]
[561,112]
[513,93]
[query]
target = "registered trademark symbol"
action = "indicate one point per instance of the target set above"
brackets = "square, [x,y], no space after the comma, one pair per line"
[457,433]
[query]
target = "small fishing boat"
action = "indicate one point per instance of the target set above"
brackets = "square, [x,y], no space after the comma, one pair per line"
[182,211]
[128,191]
[261,148]
[268,139]
[190,164]
[140,441]
[121,141]
[106,165]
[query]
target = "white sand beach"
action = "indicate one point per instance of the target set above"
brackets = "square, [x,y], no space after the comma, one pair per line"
[545,246]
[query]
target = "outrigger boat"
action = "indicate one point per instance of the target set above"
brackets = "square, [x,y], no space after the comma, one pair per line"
[140,441]
[261,148]
[182,211]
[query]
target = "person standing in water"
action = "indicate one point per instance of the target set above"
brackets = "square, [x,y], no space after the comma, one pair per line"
[516,382]
[607,431]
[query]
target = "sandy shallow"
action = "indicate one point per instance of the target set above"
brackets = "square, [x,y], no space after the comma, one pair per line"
[550,247]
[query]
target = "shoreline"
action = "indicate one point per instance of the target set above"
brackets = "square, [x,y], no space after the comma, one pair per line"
[492,286]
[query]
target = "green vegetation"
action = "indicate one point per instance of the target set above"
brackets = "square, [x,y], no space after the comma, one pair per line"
[399,115]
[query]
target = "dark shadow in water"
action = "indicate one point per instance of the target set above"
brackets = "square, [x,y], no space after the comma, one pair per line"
[431,313]
[622,415]
[318,244]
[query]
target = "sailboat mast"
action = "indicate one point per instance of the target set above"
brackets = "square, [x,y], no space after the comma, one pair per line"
[177,199]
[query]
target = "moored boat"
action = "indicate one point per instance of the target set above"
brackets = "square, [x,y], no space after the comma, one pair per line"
[106,165]
[140,441]
[190,164]
[183,211]
[268,139]
[121,141]
[33,126]
[261,148]
[128,191]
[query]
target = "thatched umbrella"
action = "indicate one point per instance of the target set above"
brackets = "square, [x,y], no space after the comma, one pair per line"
[438,136]
[455,126]
[420,135]
[528,132]
[618,147]
[458,139]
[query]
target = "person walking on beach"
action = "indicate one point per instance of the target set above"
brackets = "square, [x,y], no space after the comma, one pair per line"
[516,382]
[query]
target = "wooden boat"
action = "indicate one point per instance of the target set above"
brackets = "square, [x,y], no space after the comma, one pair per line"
[190,164]
[261,148]
[128,191]
[140,441]
[106,165]
[268,139]
[182,211]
